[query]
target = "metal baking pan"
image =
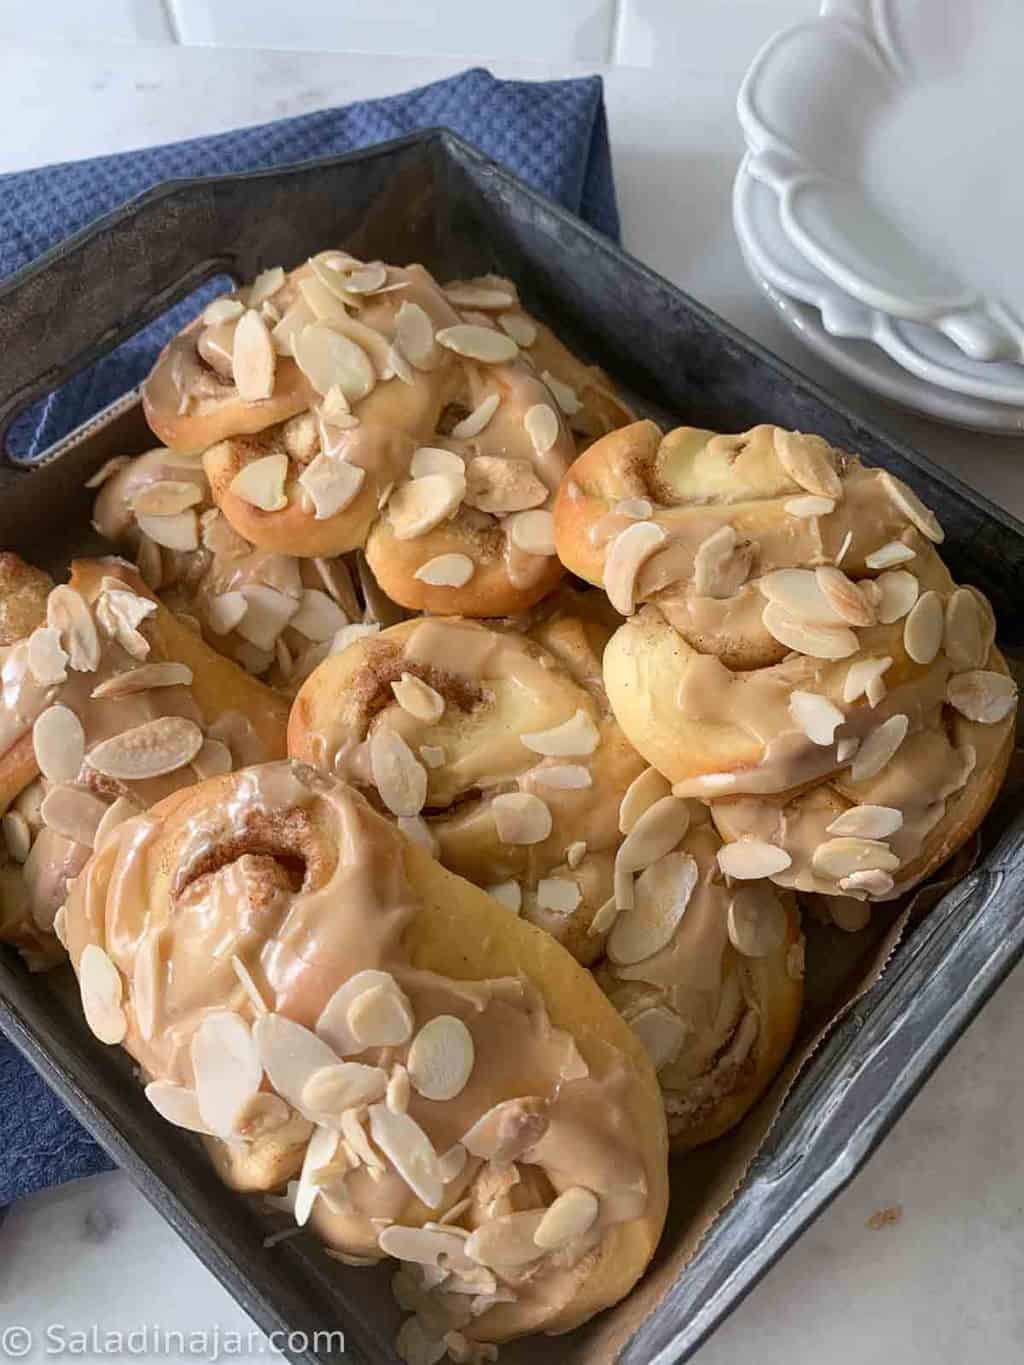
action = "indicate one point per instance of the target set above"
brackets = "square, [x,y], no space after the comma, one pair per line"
[433,198]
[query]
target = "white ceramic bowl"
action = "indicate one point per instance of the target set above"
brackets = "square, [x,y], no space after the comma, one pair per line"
[890,130]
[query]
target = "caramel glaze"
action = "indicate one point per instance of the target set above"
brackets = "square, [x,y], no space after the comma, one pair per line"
[39,887]
[292,873]
[497,685]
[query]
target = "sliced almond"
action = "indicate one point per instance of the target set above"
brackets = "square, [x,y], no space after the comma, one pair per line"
[816,716]
[508,894]
[166,497]
[722,563]
[47,660]
[521,818]
[418,505]
[68,613]
[159,746]
[867,822]
[399,777]
[214,759]
[564,777]
[863,678]
[290,1055]
[609,912]
[532,532]
[747,859]
[418,698]
[414,333]
[626,555]
[662,1033]
[499,486]
[433,755]
[660,897]
[485,296]
[327,358]
[122,809]
[329,1091]
[478,419]
[571,1215]
[810,506]
[320,1152]
[318,617]
[178,1105]
[267,613]
[756,922]
[399,1091]
[576,737]
[142,679]
[980,695]
[872,880]
[261,482]
[102,991]
[225,612]
[520,328]
[508,1131]
[641,794]
[846,748]
[119,612]
[265,285]
[178,532]
[227,1067]
[800,593]
[969,630]
[222,310]
[446,571]
[441,1058]
[422,1246]
[367,279]
[889,555]
[565,396]
[844,548]
[436,460]
[58,742]
[842,856]
[248,983]
[410,1151]
[298,316]
[333,1023]
[484,344]
[912,507]
[507,1242]
[844,596]
[818,642]
[332,484]
[809,461]
[654,834]
[922,633]
[349,634]
[253,358]
[560,895]
[107,470]
[878,748]
[73,813]
[380,1016]
[542,426]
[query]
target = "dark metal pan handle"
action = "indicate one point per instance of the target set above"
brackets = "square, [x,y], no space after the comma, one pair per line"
[86,295]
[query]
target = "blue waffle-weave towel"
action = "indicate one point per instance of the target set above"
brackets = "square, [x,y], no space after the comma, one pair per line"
[552,133]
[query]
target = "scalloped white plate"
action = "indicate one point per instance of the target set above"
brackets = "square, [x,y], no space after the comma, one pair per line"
[919,349]
[864,363]
[891,131]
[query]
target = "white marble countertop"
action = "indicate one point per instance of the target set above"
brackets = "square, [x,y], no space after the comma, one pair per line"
[940,1281]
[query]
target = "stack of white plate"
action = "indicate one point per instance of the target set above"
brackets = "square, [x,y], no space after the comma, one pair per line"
[881,201]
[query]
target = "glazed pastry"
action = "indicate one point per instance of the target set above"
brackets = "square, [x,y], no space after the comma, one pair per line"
[275,614]
[800,657]
[109,704]
[325,1002]
[709,974]
[494,748]
[421,435]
